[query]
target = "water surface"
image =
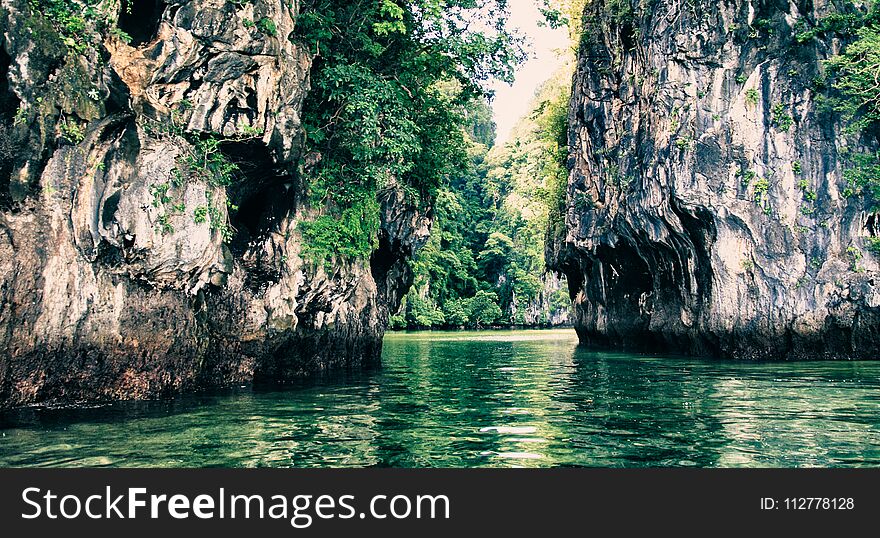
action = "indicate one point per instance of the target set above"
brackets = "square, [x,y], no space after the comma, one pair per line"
[487,399]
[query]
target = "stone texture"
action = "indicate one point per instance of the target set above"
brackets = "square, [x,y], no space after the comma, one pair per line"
[110,286]
[690,222]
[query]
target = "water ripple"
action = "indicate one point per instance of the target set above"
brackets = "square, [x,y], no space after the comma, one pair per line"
[514,398]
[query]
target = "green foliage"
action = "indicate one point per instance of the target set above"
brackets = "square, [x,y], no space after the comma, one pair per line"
[200,215]
[21,115]
[159,191]
[483,309]
[853,73]
[804,186]
[620,11]
[421,313]
[747,177]
[72,131]
[761,28]
[555,17]
[267,26]
[457,313]
[164,224]
[863,178]
[388,103]
[873,245]
[476,312]
[249,132]
[120,35]
[752,96]
[761,187]
[349,233]
[218,219]
[840,24]
[559,13]
[684,143]
[853,90]
[203,160]
[550,118]
[208,163]
[781,118]
[856,75]
[484,261]
[855,256]
[69,19]
[392,19]
[80,24]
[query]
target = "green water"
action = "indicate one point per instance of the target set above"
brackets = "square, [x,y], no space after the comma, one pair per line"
[526,398]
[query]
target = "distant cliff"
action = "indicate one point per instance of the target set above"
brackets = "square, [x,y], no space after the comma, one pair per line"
[711,206]
[150,193]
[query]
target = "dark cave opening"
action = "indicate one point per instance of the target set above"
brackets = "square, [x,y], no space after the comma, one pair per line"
[260,191]
[262,196]
[386,255]
[140,19]
[625,278]
[574,277]
[627,35]
[9,104]
[701,232]
[619,281]
[8,101]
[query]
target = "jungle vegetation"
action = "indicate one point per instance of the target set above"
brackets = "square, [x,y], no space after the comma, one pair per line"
[484,263]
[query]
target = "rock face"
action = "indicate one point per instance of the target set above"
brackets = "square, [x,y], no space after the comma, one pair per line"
[549,309]
[132,264]
[707,209]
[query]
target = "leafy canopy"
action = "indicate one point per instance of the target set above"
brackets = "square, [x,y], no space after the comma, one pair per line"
[391,84]
[484,263]
[855,74]
[856,71]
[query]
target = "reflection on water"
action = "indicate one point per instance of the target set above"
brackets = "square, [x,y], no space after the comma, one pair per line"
[525,398]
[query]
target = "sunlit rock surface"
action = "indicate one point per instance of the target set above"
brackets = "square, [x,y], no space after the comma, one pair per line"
[706,206]
[125,275]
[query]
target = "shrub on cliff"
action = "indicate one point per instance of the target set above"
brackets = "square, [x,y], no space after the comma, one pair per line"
[855,75]
[858,77]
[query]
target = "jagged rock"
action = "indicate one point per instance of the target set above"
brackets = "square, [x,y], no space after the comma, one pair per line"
[123,274]
[705,206]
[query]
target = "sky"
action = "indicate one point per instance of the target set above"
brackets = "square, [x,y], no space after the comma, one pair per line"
[511,102]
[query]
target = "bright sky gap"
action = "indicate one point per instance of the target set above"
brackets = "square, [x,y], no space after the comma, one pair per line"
[544,46]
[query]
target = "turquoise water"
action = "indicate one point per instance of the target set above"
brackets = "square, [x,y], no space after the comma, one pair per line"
[487,399]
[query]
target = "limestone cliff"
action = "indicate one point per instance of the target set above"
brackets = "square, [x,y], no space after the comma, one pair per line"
[151,190]
[707,208]
[550,308]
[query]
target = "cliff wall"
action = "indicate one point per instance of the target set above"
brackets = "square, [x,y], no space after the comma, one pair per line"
[151,191]
[708,209]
